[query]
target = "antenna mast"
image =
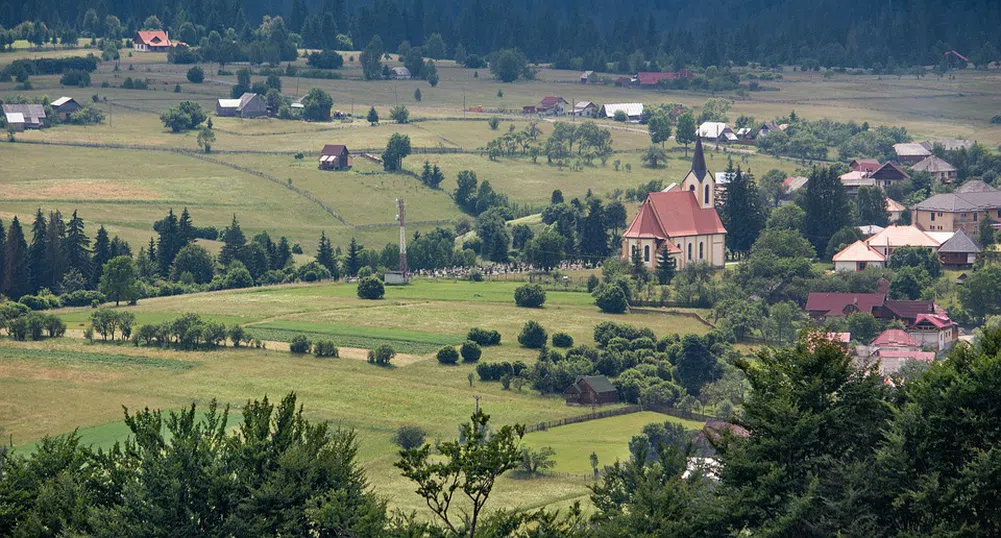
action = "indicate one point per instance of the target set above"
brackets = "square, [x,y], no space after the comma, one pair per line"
[401,216]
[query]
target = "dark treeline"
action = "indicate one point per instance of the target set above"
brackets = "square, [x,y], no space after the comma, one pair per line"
[850,33]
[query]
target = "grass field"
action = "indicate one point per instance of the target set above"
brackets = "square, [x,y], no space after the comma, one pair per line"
[608,438]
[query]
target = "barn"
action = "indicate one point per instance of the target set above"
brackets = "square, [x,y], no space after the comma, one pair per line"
[592,390]
[335,157]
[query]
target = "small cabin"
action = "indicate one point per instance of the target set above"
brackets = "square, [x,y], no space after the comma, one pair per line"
[64,106]
[592,390]
[335,157]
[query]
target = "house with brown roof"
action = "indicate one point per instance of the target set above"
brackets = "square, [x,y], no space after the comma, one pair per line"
[939,169]
[823,305]
[864,165]
[963,210]
[151,41]
[585,109]
[895,236]
[649,79]
[888,174]
[896,339]
[334,157]
[592,390]
[680,223]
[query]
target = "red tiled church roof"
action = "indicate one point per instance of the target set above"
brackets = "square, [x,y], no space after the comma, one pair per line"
[674,214]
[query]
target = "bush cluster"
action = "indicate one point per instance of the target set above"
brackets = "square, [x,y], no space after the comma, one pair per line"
[371,287]
[532,336]
[448,355]
[300,344]
[562,340]
[494,371]
[190,331]
[484,337]
[34,326]
[325,348]
[470,351]
[381,355]
[530,296]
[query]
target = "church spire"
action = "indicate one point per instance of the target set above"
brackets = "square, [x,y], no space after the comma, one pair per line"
[699,160]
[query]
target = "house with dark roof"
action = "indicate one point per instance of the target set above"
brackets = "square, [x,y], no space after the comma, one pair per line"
[400,73]
[28,116]
[592,390]
[864,165]
[151,41]
[647,79]
[64,106]
[249,105]
[959,252]
[680,223]
[963,210]
[888,174]
[910,152]
[334,157]
[939,169]
[822,305]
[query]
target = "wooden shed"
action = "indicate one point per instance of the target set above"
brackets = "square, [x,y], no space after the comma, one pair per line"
[592,390]
[335,157]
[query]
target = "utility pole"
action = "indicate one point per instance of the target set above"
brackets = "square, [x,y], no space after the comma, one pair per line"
[463,103]
[401,216]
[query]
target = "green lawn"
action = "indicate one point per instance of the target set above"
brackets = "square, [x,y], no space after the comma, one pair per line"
[608,438]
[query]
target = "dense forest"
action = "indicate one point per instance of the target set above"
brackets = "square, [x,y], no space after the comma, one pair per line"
[829,33]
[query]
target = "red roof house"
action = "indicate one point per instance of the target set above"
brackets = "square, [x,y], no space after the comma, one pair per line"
[895,338]
[151,41]
[681,222]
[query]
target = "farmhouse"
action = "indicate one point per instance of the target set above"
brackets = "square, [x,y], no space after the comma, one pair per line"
[27,116]
[633,111]
[888,174]
[585,77]
[623,81]
[400,73]
[151,41]
[959,252]
[592,390]
[936,331]
[867,166]
[650,79]
[249,105]
[938,169]
[822,305]
[949,144]
[553,106]
[715,131]
[680,223]
[767,128]
[858,256]
[585,109]
[64,106]
[335,157]
[960,210]
[910,153]
[895,236]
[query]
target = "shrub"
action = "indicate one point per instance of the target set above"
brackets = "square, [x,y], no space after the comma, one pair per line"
[381,355]
[300,344]
[409,436]
[82,298]
[562,340]
[470,351]
[610,299]
[494,371]
[484,337]
[214,334]
[236,335]
[532,336]
[448,355]
[476,275]
[371,288]
[43,301]
[325,348]
[75,77]
[592,283]
[530,296]
[196,74]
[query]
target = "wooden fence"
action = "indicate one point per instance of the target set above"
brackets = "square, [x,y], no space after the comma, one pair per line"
[595,415]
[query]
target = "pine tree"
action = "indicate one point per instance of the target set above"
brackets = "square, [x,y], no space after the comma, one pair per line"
[16,271]
[593,233]
[325,253]
[826,206]
[666,267]
[76,246]
[353,263]
[38,270]
[426,174]
[102,253]
[870,204]
[186,230]
[3,257]
[235,243]
[55,253]
[169,242]
[437,176]
[119,247]
[283,254]
[740,210]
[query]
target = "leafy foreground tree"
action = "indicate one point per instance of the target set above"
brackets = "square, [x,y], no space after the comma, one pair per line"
[470,466]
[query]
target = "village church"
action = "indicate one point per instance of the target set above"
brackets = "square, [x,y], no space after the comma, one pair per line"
[681,222]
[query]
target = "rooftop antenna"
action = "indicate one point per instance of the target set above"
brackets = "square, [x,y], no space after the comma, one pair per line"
[401,217]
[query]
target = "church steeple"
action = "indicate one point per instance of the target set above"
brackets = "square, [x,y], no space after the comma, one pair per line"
[699,160]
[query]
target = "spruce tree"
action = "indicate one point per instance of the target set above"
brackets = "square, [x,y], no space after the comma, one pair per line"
[426,174]
[353,262]
[169,243]
[38,270]
[437,176]
[102,253]
[3,256]
[55,253]
[16,272]
[325,253]
[826,206]
[593,233]
[76,246]
[740,210]
[283,254]
[666,267]
[235,243]
[119,247]
[185,229]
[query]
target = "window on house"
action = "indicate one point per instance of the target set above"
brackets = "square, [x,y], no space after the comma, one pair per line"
[933,217]
[705,196]
[700,250]
[975,217]
[646,253]
[691,188]
[689,251]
